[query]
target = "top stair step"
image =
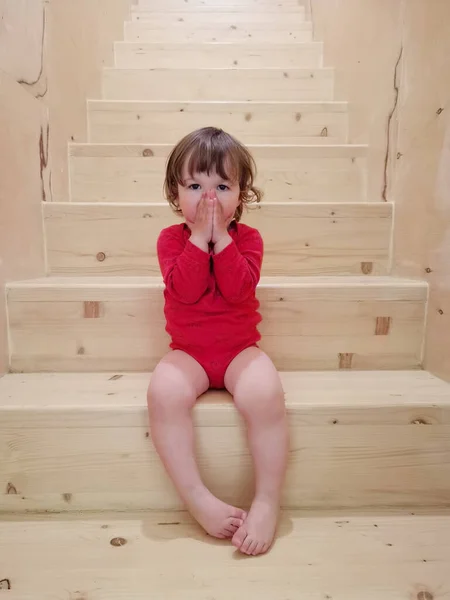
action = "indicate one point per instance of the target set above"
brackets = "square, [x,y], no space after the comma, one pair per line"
[251,6]
[223,27]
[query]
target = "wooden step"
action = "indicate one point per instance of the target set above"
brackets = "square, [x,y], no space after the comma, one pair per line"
[135,173]
[213,16]
[75,442]
[238,85]
[148,55]
[219,28]
[165,556]
[252,6]
[299,238]
[252,122]
[232,6]
[88,324]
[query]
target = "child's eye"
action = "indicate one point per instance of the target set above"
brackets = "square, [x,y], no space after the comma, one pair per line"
[194,186]
[222,187]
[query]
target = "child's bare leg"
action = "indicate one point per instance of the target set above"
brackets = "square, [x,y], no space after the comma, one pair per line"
[258,394]
[175,385]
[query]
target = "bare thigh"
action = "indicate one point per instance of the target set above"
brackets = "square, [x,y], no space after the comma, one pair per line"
[178,379]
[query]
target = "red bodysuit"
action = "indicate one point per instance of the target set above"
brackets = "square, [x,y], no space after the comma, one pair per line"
[210,304]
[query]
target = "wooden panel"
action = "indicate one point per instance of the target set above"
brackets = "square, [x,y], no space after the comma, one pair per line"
[299,238]
[213,16]
[24,177]
[308,323]
[247,6]
[358,440]
[252,122]
[132,55]
[134,173]
[218,29]
[421,179]
[368,557]
[211,84]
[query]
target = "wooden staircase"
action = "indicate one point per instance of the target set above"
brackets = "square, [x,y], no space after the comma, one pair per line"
[370,430]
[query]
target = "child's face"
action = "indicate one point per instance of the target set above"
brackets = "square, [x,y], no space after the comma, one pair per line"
[190,193]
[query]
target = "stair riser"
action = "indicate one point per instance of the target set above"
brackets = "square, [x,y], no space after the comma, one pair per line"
[168,31]
[252,123]
[129,55]
[299,239]
[232,84]
[89,328]
[223,5]
[126,175]
[330,467]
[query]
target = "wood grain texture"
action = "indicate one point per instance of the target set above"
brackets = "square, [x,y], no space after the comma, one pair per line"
[225,27]
[252,122]
[239,6]
[135,173]
[233,84]
[387,445]
[213,16]
[308,323]
[299,238]
[343,556]
[176,55]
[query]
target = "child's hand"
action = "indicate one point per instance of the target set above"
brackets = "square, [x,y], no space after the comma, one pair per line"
[220,222]
[202,227]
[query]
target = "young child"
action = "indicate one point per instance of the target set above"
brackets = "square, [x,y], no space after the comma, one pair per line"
[211,266]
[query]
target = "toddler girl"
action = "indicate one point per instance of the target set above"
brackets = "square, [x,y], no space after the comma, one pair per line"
[211,266]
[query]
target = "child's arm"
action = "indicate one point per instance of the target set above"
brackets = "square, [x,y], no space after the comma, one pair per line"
[238,266]
[185,268]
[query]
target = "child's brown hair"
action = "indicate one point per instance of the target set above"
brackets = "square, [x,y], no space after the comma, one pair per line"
[212,149]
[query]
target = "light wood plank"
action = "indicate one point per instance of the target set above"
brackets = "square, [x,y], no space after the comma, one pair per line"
[342,556]
[299,238]
[388,444]
[134,173]
[213,16]
[246,6]
[308,323]
[237,85]
[225,5]
[252,122]
[218,29]
[148,55]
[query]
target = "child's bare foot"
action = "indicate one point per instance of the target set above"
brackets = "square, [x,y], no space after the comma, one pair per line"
[257,533]
[218,519]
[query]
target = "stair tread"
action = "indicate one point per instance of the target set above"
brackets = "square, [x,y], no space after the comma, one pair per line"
[326,70]
[344,392]
[338,105]
[82,149]
[167,555]
[149,281]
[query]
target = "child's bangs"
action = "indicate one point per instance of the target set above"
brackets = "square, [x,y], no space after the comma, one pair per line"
[209,158]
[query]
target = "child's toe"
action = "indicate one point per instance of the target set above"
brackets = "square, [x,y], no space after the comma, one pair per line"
[239,537]
[246,545]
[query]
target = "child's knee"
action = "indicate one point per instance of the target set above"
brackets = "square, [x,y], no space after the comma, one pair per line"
[167,399]
[262,402]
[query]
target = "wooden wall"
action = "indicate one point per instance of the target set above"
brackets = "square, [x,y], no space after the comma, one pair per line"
[421,182]
[56,50]
[24,171]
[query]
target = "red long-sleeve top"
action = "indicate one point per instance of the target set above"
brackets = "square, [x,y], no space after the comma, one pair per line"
[210,298]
